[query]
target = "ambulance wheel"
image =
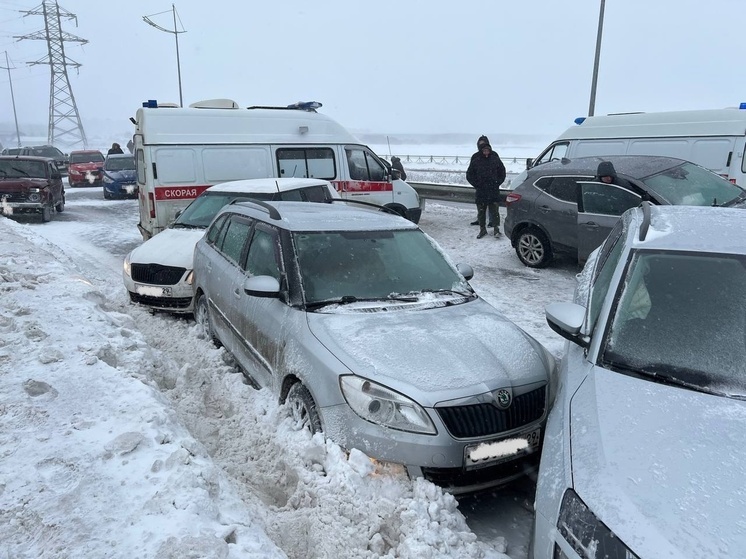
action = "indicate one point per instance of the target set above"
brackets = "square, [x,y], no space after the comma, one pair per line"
[400,210]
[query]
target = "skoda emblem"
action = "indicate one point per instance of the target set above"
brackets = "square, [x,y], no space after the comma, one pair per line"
[503,398]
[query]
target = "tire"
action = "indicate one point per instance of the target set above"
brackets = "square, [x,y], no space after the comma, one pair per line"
[107,196]
[202,318]
[303,409]
[46,214]
[59,208]
[398,209]
[533,248]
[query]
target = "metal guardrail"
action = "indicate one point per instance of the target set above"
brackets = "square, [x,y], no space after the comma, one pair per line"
[450,192]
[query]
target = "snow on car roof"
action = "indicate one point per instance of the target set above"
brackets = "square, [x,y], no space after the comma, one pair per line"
[694,228]
[343,216]
[265,185]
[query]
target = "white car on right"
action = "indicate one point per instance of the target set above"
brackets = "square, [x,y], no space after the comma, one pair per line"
[645,449]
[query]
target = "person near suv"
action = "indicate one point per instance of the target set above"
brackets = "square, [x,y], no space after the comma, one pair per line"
[490,214]
[486,173]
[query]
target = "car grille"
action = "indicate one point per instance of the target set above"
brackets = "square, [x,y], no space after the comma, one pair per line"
[161,302]
[14,197]
[483,420]
[156,274]
[452,479]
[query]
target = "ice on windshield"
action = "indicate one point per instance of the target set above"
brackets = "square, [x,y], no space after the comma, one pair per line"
[372,264]
[690,185]
[684,314]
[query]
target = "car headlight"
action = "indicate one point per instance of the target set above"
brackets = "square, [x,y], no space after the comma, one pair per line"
[127,266]
[585,533]
[107,179]
[378,404]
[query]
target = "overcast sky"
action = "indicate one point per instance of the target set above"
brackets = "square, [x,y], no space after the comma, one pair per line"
[391,66]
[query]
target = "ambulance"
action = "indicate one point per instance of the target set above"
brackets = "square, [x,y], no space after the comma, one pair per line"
[180,152]
[713,138]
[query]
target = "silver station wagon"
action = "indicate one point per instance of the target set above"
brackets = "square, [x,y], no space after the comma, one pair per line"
[362,324]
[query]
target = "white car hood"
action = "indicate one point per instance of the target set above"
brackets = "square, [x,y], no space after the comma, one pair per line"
[171,247]
[663,467]
[435,349]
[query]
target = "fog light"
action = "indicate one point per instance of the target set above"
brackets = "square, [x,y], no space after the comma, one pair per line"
[34,197]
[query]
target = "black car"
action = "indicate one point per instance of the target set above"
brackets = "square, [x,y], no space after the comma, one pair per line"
[561,207]
[60,159]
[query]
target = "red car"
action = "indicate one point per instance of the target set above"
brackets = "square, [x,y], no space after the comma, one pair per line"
[30,185]
[85,167]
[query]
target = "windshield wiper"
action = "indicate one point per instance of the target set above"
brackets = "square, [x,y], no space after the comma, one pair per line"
[737,200]
[449,292]
[662,375]
[346,299]
[20,171]
[186,226]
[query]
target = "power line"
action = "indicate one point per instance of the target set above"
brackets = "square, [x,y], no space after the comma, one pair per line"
[65,125]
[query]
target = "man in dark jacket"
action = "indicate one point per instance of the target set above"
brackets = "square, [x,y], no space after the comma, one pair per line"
[396,164]
[486,173]
[491,216]
[114,149]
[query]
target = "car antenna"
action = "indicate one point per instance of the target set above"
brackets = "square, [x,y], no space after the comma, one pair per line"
[277,185]
[389,143]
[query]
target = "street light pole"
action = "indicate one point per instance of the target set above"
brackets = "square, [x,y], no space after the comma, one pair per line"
[592,106]
[176,32]
[13,99]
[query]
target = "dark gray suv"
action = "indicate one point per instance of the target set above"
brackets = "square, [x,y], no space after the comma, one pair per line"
[561,208]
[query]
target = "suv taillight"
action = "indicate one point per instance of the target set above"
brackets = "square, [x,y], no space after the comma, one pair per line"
[511,198]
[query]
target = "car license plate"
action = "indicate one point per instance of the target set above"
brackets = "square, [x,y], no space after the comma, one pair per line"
[152,290]
[502,450]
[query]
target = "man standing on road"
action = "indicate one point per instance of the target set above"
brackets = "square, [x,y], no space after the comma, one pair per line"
[486,173]
[480,142]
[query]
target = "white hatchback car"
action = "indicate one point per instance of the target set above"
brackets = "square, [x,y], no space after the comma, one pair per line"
[158,273]
[645,448]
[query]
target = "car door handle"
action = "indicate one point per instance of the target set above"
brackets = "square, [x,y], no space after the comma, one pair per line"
[237,293]
[591,225]
[545,209]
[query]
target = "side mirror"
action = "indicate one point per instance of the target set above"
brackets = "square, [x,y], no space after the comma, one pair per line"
[262,286]
[466,271]
[529,162]
[566,319]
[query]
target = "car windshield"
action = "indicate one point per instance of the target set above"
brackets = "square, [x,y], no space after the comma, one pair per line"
[372,265]
[86,158]
[204,208]
[682,317]
[20,168]
[691,185]
[120,163]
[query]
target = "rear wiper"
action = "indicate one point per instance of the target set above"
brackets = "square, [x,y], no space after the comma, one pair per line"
[346,299]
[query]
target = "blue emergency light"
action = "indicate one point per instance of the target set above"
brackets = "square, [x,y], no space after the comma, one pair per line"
[150,104]
[742,106]
[579,120]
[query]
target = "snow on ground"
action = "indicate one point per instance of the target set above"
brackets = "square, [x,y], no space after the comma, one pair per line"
[123,434]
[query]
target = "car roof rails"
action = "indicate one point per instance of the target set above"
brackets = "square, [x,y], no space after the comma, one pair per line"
[369,204]
[645,225]
[271,210]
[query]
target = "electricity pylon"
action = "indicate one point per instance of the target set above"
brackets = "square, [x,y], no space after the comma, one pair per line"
[64,120]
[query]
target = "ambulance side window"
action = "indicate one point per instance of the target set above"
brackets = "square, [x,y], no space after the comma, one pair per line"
[364,166]
[315,163]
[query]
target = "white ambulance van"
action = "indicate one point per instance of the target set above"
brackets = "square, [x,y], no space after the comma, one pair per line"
[179,152]
[714,139]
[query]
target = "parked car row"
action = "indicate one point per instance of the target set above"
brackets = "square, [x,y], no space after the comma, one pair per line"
[61,159]
[360,322]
